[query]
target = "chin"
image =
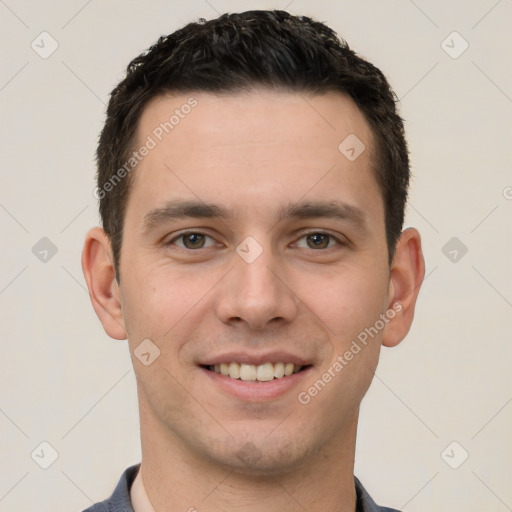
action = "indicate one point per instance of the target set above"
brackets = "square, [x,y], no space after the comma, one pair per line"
[264,456]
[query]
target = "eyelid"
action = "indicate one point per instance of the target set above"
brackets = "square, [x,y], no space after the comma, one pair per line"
[340,240]
[181,234]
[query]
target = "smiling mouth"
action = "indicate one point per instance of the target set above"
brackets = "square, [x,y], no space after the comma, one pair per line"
[258,373]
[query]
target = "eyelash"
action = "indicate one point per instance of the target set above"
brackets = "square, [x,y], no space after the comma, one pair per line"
[186,233]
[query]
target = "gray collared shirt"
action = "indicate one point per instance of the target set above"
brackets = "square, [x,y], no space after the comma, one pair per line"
[120,499]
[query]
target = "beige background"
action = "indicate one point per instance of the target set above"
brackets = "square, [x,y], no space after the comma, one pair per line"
[64,382]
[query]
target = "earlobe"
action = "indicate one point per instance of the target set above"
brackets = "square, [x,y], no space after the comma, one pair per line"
[99,272]
[407,272]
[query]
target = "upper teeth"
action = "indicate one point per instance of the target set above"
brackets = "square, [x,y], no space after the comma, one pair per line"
[262,372]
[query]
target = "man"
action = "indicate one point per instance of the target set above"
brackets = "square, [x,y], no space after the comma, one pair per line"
[252,179]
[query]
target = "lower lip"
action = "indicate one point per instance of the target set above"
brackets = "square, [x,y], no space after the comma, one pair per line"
[256,391]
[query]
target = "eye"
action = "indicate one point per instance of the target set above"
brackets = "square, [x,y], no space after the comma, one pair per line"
[317,240]
[192,240]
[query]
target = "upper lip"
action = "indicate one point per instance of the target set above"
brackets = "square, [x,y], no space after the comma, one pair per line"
[255,359]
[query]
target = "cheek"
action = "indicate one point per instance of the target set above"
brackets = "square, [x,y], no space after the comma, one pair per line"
[353,304]
[161,302]
[347,300]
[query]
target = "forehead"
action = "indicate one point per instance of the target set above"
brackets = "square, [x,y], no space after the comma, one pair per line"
[261,116]
[243,148]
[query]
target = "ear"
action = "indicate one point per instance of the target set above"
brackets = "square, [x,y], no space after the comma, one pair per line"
[99,271]
[407,272]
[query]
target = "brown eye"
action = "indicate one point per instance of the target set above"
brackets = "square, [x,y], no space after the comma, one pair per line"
[193,240]
[318,240]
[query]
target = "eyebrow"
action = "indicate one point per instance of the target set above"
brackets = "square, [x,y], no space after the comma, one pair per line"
[181,209]
[326,209]
[303,210]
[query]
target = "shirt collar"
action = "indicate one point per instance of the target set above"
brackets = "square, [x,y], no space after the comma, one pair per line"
[139,497]
[122,496]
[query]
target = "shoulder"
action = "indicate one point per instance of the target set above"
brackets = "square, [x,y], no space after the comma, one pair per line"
[120,499]
[365,502]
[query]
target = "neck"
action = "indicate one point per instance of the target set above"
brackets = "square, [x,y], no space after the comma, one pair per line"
[177,478]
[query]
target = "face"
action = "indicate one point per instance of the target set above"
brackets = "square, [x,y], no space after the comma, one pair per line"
[250,239]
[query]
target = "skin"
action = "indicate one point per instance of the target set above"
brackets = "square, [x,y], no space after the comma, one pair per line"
[253,154]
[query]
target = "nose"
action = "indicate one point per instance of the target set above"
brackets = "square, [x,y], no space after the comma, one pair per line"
[256,293]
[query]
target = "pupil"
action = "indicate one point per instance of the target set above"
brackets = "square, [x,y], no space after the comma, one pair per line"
[194,239]
[318,239]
